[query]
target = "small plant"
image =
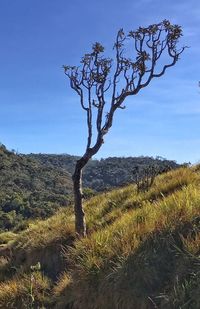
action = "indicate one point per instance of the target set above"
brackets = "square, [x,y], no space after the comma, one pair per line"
[33,269]
[88,193]
[144,178]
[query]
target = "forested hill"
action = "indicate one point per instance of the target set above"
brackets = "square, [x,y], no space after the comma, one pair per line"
[107,173]
[29,189]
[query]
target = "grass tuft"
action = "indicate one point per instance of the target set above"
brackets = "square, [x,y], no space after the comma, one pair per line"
[29,291]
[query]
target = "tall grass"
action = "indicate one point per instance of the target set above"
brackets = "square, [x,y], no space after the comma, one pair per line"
[27,291]
[116,267]
[140,252]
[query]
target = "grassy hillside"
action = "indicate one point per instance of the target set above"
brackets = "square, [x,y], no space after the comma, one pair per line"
[142,252]
[35,186]
[29,189]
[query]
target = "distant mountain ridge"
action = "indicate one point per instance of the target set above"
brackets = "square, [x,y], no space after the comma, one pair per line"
[106,173]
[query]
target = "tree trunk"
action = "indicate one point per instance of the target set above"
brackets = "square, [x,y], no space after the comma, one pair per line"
[80,225]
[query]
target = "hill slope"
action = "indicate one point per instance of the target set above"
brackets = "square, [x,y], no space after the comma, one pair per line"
[142,251]
[29,189]
[36,185]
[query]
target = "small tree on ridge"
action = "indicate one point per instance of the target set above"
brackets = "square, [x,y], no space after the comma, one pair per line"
[103,84]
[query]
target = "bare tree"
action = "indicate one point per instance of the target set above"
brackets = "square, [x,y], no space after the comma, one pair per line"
[144,177]
[103,84]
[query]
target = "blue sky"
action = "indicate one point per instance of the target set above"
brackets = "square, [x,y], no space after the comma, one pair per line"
[40,113]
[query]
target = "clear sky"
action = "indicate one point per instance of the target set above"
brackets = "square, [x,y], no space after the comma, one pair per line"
[40,113]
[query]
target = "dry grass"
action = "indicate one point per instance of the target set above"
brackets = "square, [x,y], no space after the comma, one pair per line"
[41,233]
[7,237]
[42,242]
[128,231]
[137,247]
[100,210]
[105,208]
[100,261]
[28,291]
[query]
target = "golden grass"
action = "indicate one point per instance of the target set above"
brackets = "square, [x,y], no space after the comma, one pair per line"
[41,233]
[105,208]
[95,258]
[29,291]
[192,243]
[108,269]
[7,237]
[101,210]
[63,282]
[126,233]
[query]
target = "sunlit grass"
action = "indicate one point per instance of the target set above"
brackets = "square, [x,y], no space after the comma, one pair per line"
[132,239]
[125,234]
[107,207]
[41,233]
[29,291]
[95,257]
[7,237]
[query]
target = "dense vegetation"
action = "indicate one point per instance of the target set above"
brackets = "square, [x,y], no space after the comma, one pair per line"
[104,174]
[29,189]
[142,251]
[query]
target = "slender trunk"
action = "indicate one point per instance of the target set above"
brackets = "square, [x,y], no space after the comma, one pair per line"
[80,225]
